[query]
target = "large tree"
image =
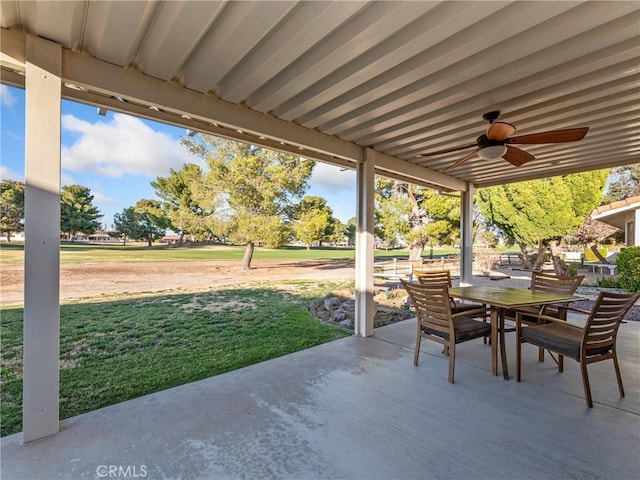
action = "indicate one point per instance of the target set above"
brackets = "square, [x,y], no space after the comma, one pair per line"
[310,226]
[590,233]
[419,215]
[11,207]
[336,232]
[313,221]
[393,208]
[77,212]
[253,189]
[153,219]
[187,203]
[350,231]
[539,212]
[144,221]
[623,182]
[128,224]
[443,227]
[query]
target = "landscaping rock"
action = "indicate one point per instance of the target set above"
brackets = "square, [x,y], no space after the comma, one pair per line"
[339,309]
[332,303]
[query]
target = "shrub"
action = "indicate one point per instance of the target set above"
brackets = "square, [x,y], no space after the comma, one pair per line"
[609,282]
[486,261]
[573,268]
[628,263]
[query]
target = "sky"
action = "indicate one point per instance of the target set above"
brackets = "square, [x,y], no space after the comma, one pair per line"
[117,156]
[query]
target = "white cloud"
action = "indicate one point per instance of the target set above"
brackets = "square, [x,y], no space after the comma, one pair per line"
[8,174]
[99,197]
[123,145]
[6,97]
[66,179]
[332,178]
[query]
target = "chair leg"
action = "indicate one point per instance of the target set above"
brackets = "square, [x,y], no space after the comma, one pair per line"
[560,363]
[585,383]
[518,350]
[485,339]
[452,361]
[417,352]
[618,375]
[541,354]
[503,349]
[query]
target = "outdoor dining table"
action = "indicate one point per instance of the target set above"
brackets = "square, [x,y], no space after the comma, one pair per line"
[501,299]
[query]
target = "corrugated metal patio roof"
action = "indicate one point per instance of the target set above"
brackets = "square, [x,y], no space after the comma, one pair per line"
[324,79]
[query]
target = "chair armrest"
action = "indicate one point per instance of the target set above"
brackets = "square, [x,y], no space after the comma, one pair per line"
[579,310]
[533,311]
[548,318]
[470,313]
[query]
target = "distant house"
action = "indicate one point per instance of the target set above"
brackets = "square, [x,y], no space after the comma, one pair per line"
[79,237]
[171,238]
[625,215]
[101,236]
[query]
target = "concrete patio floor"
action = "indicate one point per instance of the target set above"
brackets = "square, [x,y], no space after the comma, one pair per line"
[357,408]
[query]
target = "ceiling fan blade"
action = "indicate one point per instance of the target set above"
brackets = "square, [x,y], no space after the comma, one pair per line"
[462,160]
[517,157]
[553,136]
[500,131]
[447,150]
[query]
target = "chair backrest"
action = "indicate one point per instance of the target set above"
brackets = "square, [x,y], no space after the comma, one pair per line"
[431,302]
[602,325]
[433,276]
[547,282]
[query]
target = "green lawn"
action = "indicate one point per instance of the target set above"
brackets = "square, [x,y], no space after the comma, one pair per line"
[12,254]
[119,349]
[115,349]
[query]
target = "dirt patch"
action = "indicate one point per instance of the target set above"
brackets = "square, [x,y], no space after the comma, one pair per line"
[79,281]
[90,280]
[199,303]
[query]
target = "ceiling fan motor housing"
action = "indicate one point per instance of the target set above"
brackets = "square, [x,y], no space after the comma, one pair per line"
[490,149]
[483,142]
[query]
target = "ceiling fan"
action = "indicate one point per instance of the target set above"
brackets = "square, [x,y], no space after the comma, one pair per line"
[497,142]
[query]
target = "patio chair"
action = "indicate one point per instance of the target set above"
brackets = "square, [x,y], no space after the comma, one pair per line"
[547,282]
[436,322]
[444,277]
[594,342]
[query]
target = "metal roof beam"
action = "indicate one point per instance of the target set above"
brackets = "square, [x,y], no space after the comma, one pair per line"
[395,168]
[103,78]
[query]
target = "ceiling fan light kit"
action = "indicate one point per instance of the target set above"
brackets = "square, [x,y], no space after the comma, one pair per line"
[492,152]
[497,142]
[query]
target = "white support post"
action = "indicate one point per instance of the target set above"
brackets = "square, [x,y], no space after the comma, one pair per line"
[42,239]
[636,229]
[466,235]
[365,306]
